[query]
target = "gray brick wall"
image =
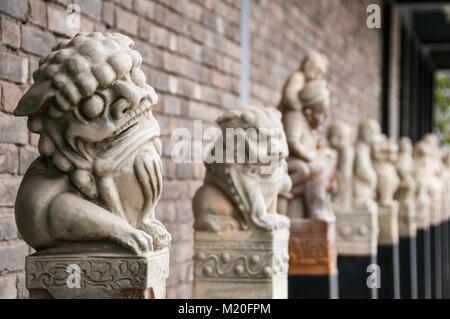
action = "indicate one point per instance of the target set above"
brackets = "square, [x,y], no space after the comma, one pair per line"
[191,54]
[283,31]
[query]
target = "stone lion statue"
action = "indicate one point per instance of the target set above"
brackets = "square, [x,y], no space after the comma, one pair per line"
[428,172]
[242,194]
[364,174]
[405,170]
[340,138]
[99,173]
[388,181]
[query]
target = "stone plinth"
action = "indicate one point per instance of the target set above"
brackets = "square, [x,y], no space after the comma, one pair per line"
[445,258]
[312,259]
[388,223]
[436,219]
[407,225]
[422,219]
[356,233]
[445,238]
[97,275]
[423,252]
[356,241]
[407,230]
[241,264]
[388,251]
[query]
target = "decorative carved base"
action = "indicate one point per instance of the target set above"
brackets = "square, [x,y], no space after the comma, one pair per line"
[407,229]
[356,233]
[423,263]
[388,252]
[407,226]
[388,260]
[422,218]
[436,217]
[241,265]
[356,241]
[97,275]
[445,260]
[388,222]
[436,261]
[312,247]
[408,267]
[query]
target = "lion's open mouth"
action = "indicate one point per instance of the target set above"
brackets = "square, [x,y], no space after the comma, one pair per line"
[133,117]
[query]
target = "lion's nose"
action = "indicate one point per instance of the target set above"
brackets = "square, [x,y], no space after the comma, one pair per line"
[128,98]
[120,108]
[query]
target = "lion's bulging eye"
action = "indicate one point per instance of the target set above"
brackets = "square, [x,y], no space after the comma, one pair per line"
[138,77]
[93,107]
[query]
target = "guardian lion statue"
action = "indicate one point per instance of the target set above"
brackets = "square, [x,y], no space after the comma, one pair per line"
[99,173]
[242,193]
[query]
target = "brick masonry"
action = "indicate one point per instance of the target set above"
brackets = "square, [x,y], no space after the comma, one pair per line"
[191,53]
[282,32]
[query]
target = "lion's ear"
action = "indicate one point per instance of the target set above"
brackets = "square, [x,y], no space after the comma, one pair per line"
[35,98]
[229,116]
[248,117]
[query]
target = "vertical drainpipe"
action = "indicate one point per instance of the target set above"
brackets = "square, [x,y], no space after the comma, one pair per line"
[245,52]
[387,16]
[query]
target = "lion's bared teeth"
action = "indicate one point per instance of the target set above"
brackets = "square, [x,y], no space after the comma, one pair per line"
[134,117]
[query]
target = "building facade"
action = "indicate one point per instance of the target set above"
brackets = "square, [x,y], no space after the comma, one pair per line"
[202,57]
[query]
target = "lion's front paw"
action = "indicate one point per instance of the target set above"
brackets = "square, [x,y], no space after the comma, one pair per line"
[267,222]
[161,237]
[271,222]
[137,241]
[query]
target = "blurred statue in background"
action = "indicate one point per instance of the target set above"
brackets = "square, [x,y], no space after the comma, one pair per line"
[364,174]
[241,242]
[305,108]
[446,186]
[385,157]
[311,164]
[313,67]
[405,170]
[428,176]
[242,195]
[357,226]
[340,139]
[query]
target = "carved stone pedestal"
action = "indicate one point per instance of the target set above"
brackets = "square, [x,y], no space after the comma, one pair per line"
[241,264]
[436,254]
[408,251]
[356,241]
[388,252]
[312,260]
[446,229]
[445,258]
[97,275]
[423,254]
